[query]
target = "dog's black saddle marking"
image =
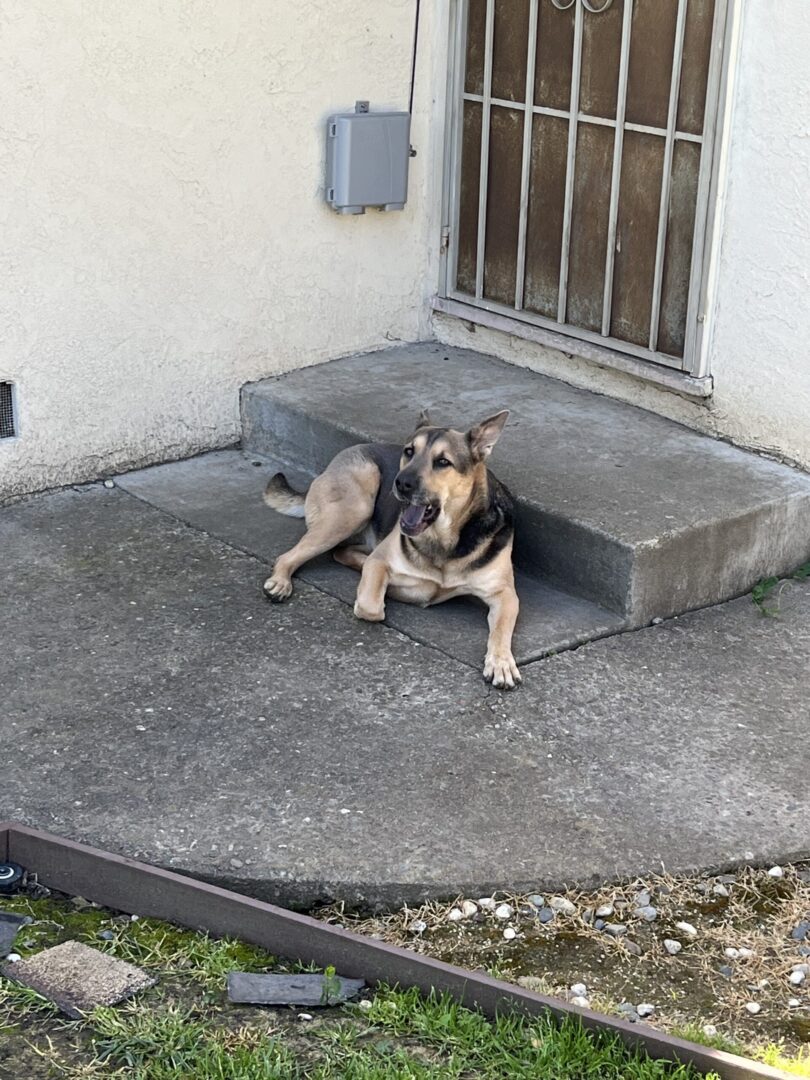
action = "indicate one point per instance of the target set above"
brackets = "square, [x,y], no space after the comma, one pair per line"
[386,456]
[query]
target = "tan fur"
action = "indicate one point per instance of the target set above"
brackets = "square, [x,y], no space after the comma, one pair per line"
[424,569]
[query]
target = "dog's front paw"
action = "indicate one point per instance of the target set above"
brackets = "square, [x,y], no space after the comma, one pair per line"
[367,615]
[502,671]
[277,589]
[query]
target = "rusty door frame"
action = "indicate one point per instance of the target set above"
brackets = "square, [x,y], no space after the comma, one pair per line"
[692,374]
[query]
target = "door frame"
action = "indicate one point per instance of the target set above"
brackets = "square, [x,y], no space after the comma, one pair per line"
[692,374]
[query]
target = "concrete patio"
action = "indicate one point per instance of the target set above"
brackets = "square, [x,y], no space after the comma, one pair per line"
[156,705]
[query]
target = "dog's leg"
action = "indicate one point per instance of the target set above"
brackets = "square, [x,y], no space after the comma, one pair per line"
[370,602]
[353,557]
[499,666]
[337,507]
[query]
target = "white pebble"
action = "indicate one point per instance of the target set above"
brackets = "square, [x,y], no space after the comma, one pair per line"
[504,911]
[604,911]
[793,1003]
[487,903]
[776,872]
[801,967]
[563,905]
[455,915]
[687,928]
[796,978]
[305,1016]
[134,918]
[745,954]
[581,1001]
[731,953]
[510,933]
[645,1010]
[13,958]
[672,947]
[720,890]
[418,926]
[709,1030]
[753,1007]
[365,1004]
[109,483]
[468,908]
[579,990]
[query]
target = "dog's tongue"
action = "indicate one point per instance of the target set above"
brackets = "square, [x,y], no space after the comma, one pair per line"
[413,519]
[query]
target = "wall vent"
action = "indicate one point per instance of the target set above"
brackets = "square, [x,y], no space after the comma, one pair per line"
[8,428]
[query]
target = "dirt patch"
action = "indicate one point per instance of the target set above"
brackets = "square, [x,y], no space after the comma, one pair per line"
[737,943]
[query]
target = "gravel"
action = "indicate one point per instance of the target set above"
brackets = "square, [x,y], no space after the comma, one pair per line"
[673,947]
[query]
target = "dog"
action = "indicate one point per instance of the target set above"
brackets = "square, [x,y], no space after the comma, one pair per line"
[422,523]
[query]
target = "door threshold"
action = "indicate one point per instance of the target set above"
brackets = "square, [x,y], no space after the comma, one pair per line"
[678,381]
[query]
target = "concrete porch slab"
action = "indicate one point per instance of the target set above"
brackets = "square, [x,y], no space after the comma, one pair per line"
[220,493]
[632,511]
[155,705]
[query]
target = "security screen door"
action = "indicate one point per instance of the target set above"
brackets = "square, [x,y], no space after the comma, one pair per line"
[581,166]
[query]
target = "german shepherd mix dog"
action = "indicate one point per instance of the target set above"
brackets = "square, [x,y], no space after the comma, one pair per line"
[422,523]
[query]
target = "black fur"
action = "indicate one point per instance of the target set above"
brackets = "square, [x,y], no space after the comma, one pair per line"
[496,522]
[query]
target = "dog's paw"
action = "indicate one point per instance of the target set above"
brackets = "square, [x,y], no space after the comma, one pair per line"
[502,671]
[368,616]
[277,589]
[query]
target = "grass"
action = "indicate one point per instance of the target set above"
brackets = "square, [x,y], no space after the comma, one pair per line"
[762,594]
[403,1035]
[184,1029]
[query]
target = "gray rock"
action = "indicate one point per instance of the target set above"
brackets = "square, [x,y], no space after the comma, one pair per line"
[9,925]
[615,929]
[604,911]
[546,915]
[801,931]
[720,890]
[726,970]
[628,1012]
[647,913]
[599,924]
[536,900]
[105,935]
[633,948]
[587,915]
[563,905]
[804,950]
[643,899]
[673,947]
[645,1009]
[249,989]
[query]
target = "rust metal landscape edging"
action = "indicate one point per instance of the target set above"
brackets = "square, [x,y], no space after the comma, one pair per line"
[137,888]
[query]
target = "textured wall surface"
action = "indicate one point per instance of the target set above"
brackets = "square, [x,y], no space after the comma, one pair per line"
[164,235]
[760,344]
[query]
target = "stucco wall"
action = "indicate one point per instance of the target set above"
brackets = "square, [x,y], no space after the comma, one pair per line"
[760,331]
[164,236]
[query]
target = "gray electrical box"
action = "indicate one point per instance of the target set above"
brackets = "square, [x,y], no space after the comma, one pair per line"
[367,160]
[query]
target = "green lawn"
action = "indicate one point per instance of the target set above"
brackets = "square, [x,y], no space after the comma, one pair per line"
[185,1029]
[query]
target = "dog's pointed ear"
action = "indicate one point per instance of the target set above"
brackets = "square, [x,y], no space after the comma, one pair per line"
[483,436]
[424,419]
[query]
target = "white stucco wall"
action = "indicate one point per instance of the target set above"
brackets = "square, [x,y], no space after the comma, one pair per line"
[760,329]
[164,236]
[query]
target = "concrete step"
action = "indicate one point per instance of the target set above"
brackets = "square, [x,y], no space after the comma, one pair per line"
[220,493]
[631,511]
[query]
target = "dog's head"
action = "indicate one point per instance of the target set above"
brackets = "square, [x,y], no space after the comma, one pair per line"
[441,469]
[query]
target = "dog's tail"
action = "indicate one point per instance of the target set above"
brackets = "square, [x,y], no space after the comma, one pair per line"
[282,498]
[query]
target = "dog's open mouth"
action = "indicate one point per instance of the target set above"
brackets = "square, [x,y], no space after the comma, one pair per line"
[414,519]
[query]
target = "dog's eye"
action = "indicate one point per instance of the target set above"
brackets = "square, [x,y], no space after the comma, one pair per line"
[408,452]
[442,463]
